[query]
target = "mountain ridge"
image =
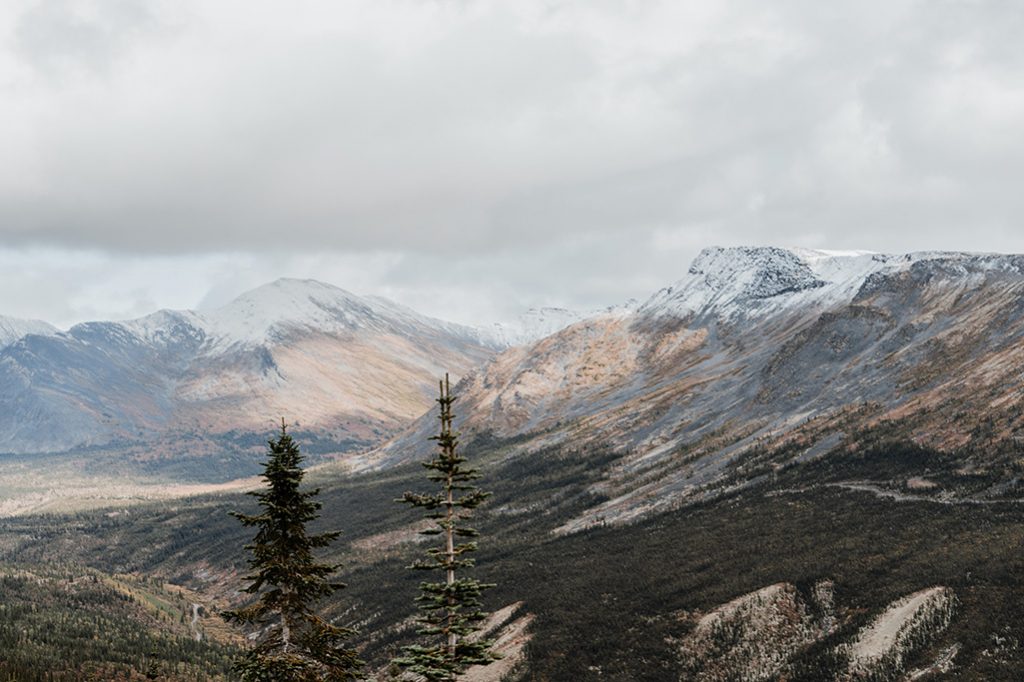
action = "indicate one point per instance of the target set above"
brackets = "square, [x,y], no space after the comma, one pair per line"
[349,367]
[738,282]
[13,329]
[736,365]
[768,328]
[259,315]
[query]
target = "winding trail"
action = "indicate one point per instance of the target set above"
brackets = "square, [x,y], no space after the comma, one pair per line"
[898,496]
[894,495]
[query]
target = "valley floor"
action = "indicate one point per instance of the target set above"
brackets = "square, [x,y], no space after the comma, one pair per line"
[621,603]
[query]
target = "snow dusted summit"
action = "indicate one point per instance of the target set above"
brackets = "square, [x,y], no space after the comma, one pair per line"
[738,282]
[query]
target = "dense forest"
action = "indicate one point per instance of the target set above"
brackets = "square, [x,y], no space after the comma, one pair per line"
[66,622]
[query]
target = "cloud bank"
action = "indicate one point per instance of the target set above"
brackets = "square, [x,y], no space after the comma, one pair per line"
[478,156]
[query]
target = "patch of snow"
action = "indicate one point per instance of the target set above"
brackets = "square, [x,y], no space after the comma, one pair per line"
[165,326]
[197,633]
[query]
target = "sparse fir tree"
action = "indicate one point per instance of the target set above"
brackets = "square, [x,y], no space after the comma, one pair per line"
[450,609]
[295,644]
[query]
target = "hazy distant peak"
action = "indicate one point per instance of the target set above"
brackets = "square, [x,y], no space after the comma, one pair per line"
[535,323]
[13,329]
[289,296]
[538,323]
[292,286]
[270,313]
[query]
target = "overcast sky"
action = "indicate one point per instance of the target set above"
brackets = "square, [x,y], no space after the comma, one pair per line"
[474,158]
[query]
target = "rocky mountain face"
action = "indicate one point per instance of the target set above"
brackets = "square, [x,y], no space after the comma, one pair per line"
[758,359]
[346,369]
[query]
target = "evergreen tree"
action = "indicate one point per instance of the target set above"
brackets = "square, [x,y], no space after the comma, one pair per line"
[451,609]
[153,669]
[295,645]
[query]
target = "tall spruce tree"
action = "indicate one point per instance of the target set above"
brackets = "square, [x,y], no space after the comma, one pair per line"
[451,608]
[295,644]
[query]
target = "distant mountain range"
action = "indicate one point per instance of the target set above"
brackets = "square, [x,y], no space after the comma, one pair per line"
[176,384]
[350,370]
[753,348]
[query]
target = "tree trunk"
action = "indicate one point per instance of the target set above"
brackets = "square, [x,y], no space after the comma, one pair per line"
[450,533]
[450,526]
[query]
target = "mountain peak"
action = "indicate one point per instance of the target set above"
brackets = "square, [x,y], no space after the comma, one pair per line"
[13,329]
[731,281]
[753,272]
[287,289]
[271,310]
[743,281]
[271,313]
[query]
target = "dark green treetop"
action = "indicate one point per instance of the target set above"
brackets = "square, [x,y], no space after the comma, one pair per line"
[450,608]
[295,644]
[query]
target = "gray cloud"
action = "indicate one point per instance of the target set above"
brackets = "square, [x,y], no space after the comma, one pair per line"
[529,152]
[58,38]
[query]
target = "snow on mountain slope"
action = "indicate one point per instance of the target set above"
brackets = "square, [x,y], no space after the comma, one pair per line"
[13,329]
[534,324]
[741,282]
[749,345]
[753,348]
[271,313]
[538,323]
[353,369]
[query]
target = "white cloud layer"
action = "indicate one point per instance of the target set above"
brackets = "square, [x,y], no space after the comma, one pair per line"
[471,157]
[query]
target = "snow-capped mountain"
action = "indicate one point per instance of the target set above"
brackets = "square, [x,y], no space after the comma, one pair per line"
[13,329]
[747,346]
[742,282]
[353,369]
[745,282]
[274,312]
[753,349]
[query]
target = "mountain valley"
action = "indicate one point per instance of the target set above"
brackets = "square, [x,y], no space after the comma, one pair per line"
[789,465]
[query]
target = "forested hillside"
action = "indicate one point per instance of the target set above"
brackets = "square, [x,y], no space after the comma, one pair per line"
[619,602]
[62,621]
